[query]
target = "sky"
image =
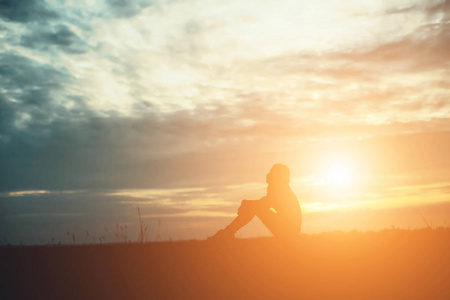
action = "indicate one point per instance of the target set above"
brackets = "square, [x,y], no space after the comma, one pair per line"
[180,108]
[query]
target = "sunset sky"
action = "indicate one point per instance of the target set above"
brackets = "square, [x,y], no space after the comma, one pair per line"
[181,108]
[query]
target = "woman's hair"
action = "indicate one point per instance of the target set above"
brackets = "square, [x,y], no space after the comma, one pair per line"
[281,173]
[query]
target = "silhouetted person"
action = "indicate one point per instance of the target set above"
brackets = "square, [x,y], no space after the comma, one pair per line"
[279,210]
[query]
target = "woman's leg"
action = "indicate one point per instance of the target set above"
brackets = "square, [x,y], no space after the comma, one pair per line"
[271,220]
[246,212]
[279,226]
[251,208]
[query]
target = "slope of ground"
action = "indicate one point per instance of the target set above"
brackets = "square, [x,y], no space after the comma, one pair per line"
[391,264]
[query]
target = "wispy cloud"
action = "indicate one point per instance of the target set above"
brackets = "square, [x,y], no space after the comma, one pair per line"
[27,11]
[23,193]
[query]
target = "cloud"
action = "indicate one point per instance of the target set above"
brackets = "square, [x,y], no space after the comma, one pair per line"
[32,94]
[25,11]
[128,8]
[442,6]
[409,217]
[181,149]
[61,36]
[39,217]
[431,8]
[412,54]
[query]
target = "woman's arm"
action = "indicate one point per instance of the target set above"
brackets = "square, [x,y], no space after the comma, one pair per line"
[266,202]
[255,205]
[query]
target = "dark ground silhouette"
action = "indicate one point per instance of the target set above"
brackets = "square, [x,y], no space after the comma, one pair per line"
[391,264]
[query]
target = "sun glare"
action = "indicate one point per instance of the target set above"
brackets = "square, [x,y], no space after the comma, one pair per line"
[338,173]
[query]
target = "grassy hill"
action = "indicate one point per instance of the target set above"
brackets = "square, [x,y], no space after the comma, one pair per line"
[390,264]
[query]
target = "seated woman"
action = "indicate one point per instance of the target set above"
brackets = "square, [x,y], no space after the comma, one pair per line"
[279,210]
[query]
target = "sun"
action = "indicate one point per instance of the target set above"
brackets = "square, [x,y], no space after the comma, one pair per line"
[338,173]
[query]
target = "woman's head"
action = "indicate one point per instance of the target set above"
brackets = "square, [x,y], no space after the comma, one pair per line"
[278,175]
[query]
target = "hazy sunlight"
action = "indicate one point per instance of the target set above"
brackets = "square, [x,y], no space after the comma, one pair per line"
[337,173]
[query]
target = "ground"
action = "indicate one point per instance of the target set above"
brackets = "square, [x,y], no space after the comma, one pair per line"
[390,264]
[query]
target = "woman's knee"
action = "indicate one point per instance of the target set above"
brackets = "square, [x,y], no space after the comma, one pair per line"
[245,208]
